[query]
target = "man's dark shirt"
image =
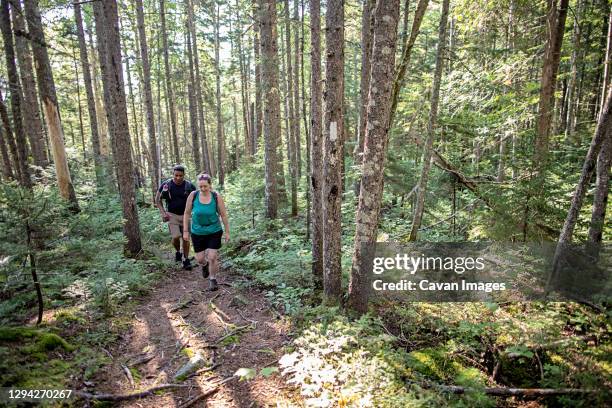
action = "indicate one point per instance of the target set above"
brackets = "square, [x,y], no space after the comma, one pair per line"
[176,196]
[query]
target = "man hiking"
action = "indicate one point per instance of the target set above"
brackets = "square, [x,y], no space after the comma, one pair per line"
[204,208]
[175,192]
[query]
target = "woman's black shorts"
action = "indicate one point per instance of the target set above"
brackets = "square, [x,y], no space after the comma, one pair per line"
[209,241]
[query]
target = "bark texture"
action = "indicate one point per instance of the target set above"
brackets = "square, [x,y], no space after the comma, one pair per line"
[386,16]
[271,96]
[91,102]
[316,140]
[46,89]
[557,13]
[333,132]
[31,113]
[117,113]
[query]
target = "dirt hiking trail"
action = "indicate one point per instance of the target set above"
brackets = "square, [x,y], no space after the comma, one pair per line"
[231,328]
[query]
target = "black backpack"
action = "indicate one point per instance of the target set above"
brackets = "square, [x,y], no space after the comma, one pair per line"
[215,196]
[166,194]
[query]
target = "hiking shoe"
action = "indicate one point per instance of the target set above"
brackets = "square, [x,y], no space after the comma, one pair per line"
[187,264]
[205,271]
[178,257]
[212,285]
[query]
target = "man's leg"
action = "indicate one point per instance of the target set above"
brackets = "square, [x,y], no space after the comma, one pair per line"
[186,246]
[175,230]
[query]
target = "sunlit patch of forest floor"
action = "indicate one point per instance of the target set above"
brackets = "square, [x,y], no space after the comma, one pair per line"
[232,329]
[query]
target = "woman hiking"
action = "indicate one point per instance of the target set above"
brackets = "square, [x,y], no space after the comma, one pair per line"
[202,212]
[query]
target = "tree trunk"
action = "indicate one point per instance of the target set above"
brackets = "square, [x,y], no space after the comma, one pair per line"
[193,107]
[431,124]
[7,168]
[16,101]
[243,84]
[257,130]
[556,28]
[100,112]
[296,93]
[148,99]
[46,88]
[107,19]
[205,164]
[291,137]
[169,89]
[398,82]
[601,138]
[602,188]
[91,103]
[607,62]
[364,84]
[334,143]
[31,113]
[10,141]
[220,141]
[269,85]
[386,16]
[79,108]
[316,140]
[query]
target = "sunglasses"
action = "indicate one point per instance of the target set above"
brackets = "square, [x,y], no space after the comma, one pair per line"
[204,178]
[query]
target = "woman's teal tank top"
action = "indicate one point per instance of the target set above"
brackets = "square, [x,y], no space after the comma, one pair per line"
[204,217]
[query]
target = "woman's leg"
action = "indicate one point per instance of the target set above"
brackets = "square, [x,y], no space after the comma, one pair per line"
[213,259]
[201,257]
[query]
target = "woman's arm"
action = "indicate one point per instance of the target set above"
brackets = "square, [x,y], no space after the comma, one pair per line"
[224,217]
[187,215]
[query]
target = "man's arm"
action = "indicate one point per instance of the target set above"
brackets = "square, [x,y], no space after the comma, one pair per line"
[160,206]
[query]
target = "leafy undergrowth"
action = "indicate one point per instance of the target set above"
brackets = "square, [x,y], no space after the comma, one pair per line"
[88,285]
[401,357]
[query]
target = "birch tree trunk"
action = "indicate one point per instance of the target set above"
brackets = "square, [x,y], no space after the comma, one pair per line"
[334,142]
[46,88]
[431,124]
[386,16]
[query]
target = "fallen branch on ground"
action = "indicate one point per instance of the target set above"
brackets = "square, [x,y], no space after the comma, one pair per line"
[231,333]
[506,392]
[142,360]
[205,394]
[128,374]
[125,397]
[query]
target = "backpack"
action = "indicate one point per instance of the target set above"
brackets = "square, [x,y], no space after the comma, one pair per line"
[165,194]
[215,196]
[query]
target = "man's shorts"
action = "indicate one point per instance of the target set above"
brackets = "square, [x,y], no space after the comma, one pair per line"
[175,225]
[204,242]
